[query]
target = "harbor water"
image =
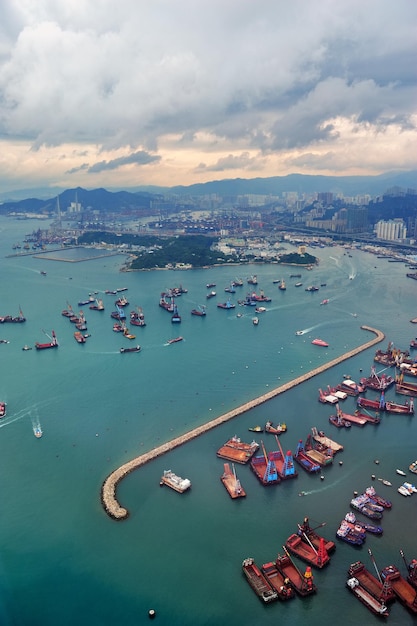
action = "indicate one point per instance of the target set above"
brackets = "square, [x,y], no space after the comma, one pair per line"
[63,560]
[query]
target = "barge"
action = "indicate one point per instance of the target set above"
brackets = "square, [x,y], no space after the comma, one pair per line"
[258,582]
[237,451]
[379,590]
[280,583]
[307,552]
[405,593]
[371,603]
[175,482]
[302,583]
[232,483]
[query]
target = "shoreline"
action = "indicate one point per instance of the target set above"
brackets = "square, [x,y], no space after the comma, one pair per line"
[108,490]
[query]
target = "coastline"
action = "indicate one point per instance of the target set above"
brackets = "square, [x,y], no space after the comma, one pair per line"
[108,490]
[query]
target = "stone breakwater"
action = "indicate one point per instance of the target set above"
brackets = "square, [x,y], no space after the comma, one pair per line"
[108,490]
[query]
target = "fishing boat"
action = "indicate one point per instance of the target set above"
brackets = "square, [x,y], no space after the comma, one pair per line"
[320,342]
[307,552]
[256,429]
[210,285]
[362,527]
[405,592]
[79,337]
[26,347]
[137,317]
[175,340]
[253,280]
[175,482]
[280,583]
[363,504]
[258,582]
[375,497]
[53,343]
[413,467]
[255,321]
[349,535]
[3,409]
[226,305]
[200,311]
[282,286]
[122,301]
[231,482]
[134,349]
[376,606]
[211,294]
[37,431]
[275,430]
[302,583]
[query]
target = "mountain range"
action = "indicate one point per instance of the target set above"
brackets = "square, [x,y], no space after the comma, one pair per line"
[140,197]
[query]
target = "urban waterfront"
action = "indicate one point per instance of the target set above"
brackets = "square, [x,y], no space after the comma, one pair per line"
[64,560]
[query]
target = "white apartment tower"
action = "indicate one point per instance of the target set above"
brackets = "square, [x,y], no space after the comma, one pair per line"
[391,230]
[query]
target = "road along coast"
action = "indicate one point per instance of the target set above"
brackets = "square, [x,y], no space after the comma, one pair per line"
[108,489]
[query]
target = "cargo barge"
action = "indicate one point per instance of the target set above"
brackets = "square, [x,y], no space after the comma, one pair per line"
[379,590]
[405,593]
[237,451]
[258,582]
[371,603]
[303,584]
[231,482]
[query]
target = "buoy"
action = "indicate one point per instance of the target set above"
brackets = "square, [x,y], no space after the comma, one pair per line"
[152,613]
[340,462]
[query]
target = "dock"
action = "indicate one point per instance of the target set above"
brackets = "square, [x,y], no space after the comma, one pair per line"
[109,486]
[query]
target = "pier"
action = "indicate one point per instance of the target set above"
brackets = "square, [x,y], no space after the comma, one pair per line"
[109,486]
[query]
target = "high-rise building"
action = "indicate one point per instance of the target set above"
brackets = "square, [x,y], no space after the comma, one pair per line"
[391,230]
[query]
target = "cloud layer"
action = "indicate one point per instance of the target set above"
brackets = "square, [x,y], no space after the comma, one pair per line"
[170,91]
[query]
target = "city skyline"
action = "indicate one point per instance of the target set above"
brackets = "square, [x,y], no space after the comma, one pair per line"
[181,92]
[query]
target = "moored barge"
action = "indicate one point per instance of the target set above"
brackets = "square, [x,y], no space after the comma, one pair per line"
[307,552]
[237,451]
[258,582]
[379,590]
[302,583]
[371,603]
[280,583]
[231,482]
[405,593]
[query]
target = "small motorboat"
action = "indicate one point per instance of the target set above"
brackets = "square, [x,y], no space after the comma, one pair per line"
[299,332]
[385,482]
[256,429]
[400,472]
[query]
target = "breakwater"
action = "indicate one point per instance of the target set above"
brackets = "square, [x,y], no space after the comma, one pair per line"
[109,486]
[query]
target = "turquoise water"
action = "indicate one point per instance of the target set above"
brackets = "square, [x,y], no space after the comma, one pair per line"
[63,561]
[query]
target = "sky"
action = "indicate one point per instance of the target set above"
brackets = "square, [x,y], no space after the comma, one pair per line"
[126,93]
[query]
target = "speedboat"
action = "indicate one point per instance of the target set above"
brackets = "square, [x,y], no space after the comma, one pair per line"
[400,472]
[299,332]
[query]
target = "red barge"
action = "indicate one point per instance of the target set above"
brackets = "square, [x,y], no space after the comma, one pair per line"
[405,592]
[237,451]
[280,583]
[303,584]
[258,582]
[307,552]
[52,344]
[382,591]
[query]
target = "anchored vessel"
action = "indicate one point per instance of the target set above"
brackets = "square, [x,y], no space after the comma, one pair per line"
[280,583]
[231,482]
[258,582]
[374,605]
[3,409]
[51,344]
[175,482]
[134,349]
[303,584]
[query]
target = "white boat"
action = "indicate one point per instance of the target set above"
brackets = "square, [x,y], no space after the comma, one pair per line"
[411,488]
[255,321]
[385,482]
[175,482]
[403,491]
[400,472]
[299,332]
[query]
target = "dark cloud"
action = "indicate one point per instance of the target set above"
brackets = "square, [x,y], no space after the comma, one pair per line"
[137,158]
